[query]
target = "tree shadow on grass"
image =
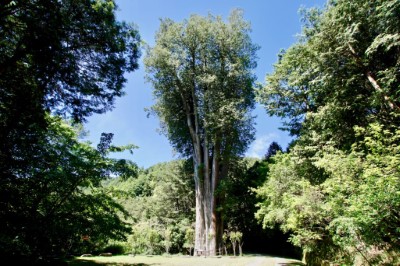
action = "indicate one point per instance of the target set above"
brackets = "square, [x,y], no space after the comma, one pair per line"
[291,264]
[83,262]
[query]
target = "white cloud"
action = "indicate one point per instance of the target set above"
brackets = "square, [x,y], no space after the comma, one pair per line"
[259,147]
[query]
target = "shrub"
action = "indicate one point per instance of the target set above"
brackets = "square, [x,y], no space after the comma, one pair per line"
[116,249]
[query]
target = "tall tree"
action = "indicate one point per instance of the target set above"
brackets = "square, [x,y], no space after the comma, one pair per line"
[74,53]
[273,149]
[343,71]
[60,57]
[57,198]
[64,57]
[338,86]
[201,70]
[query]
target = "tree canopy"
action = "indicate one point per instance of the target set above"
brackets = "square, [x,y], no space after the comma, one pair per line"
[213,60]
[56,199]
[160,203]
[341,73]
[58,59]
[74,53]
[335,191]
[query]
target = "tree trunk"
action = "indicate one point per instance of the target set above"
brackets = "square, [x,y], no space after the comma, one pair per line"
[208,222]
[376,86]
[199,243]
[208,229]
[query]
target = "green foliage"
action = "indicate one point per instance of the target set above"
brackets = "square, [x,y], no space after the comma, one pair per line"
[336,191]
[115,249]
[238,206]
[64,58]
[341,73]
[189,239]
[146,239]
[204,65]
[56,205]
[150,237]
[371,212]
[167,239]
[353,215]
[273,149]
[160,204]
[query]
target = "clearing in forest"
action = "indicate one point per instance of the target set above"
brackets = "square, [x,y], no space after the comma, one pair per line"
[250,260]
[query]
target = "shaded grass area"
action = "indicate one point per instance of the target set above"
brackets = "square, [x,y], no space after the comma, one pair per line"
[182,261]
[94,262]
[289,263]
[87,262]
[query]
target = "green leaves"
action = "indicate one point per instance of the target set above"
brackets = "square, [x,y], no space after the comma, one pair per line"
[57,197]
[202,67]
[74,52]
[62,58]
[340,74]
[355,208]
[160,202]
[201,72]
[385,41]
[337,88]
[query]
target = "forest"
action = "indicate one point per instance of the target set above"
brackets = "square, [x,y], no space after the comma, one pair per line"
[332,197]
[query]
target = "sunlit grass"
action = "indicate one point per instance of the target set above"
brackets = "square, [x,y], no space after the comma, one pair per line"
[182,261]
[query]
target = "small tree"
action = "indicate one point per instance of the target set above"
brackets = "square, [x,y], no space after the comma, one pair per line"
[189,240]
[153,240]
[239,236]
[167,239]
[236,240]
[232,236]
[225,241]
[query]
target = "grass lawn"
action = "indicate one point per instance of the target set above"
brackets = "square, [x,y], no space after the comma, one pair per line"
[249,260]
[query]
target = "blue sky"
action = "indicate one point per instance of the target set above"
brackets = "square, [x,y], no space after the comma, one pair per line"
[275,24]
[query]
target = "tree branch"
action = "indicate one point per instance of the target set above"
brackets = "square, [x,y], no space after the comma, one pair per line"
[372,80]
